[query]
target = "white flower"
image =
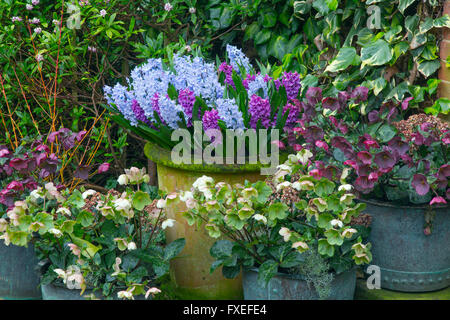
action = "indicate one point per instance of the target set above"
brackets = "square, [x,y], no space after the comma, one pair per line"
[103,12]
[285,233]
[29,7]
[347,198]
[260,217]
[188,48]
[34,2]
[88,193]
[61,273]
[304,155]
[347,233]
[300,244]
[284,167]
[35,195]
[152,291]
[336,222]
[123,179]
[125,295]
[122,204]
[283,185]
[161,204]
[203,184]
[192,10]
[345,187]
[168,7]
[169,223]
[37,30]
[186,196]
[132,246]
[57,233]
[64,211]
[55,22]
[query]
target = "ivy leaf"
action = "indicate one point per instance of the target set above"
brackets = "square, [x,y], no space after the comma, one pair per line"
[140,200]
[376,53]
[267,271]
[344,58]
[427,68]
[403,4]
[386,133]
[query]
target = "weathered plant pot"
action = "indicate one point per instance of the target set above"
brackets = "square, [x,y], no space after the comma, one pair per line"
[410,261]
[294,287]
[19,275]
[190,272]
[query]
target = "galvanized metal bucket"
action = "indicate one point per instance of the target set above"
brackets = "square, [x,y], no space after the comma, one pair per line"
[19,276]
[409,260]
[294,287]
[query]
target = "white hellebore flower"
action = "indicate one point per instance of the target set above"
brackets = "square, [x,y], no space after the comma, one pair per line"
[125,295]
[35,195]
[88,193]
[260,217]
[285,233]
[64,211]
[336,222]
[283,185]
[57,233]
[203,185]
[122,204]
[300,244]
[152,291]
[123,179]
[347,233]
[169,223]
[161,204]
[132,246]
[345,187]
[5,238]
[304,155]
[186,196]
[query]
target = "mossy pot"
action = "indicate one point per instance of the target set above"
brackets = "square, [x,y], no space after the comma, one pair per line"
[190,272]
[294,287]
[410,260]
[19,274]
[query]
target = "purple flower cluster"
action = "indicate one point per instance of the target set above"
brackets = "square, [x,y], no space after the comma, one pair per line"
[139,112]
[291,82]
[228,70]
[259,109]
[186,99]
[210,120]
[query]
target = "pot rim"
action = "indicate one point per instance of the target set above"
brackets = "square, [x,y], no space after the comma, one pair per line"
[392,205]
[162,156]
[300,276]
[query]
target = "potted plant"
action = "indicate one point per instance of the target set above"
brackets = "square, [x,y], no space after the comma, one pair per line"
[193,100]
[34,161]
[106,246]
[295,235]
[400,169]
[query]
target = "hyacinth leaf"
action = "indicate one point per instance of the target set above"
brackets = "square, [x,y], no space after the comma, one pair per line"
[172,92]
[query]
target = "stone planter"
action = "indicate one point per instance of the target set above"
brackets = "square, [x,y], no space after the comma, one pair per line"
[294,287]
[190,271]
[19,277]
[409,260]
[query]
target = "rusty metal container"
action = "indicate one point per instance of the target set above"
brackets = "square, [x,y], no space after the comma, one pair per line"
[294,287]
[190,271]
[409,260]
[19,275]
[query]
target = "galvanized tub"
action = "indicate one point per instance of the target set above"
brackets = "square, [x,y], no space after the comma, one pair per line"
[409,260]
[190,272]
[19,275]
[294,287]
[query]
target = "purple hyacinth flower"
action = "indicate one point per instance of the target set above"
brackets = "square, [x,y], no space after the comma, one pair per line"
[210,119]
[291,82]
[228,70]
[259,109]
[139,112]
[186,99]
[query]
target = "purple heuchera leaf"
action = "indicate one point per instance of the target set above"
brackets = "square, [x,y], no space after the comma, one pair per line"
[342,144]
[385,160]
[314,95]
[398,145]
[331,103]
[80,135]
[365,157]
[82,172]
[19,164]
[313,133]
[373,116]
[363,184]
[360,94]
[405,103]
[104,167]
[420,184]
